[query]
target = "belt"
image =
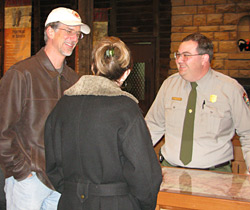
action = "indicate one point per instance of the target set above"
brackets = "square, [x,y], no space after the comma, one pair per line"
[83,190]
[161,158]
[219,165]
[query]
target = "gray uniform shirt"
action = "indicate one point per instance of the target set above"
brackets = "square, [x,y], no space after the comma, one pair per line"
[221,109]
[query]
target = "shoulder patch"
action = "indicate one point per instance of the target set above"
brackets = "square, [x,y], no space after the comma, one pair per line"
[246,99]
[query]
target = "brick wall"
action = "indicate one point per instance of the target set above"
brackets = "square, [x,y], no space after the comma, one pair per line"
[219,20]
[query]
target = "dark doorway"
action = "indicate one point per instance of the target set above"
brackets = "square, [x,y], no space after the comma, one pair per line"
[141,81]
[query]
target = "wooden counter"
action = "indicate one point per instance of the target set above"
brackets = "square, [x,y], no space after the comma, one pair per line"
[201,189]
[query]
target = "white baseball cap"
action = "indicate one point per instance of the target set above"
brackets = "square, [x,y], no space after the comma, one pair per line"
[68,17]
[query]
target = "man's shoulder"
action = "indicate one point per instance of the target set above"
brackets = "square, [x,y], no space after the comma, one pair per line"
[23,65]
[224,79]
[172,79]
[174,76]
[29,62]
[226,83]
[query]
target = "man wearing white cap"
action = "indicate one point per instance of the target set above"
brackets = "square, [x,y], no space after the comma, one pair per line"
[28,92]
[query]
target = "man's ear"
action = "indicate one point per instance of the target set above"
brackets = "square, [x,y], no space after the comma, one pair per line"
[50,32]
[205,59]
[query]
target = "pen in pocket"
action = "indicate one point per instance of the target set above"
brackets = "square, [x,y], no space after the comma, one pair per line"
[203,104]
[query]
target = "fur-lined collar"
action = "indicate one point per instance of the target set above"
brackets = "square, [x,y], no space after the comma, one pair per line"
[97,86]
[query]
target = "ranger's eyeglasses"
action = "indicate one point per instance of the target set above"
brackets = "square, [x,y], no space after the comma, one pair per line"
[185,55]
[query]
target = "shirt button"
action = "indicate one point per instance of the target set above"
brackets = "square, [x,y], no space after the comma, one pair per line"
[82,196]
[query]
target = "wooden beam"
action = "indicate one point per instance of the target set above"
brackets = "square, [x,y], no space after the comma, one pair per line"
[86,10]
[36,29]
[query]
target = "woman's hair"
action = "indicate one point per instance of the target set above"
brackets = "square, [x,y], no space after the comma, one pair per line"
[111,58]
[205,45]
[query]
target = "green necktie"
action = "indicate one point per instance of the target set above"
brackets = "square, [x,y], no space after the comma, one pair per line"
[188,127]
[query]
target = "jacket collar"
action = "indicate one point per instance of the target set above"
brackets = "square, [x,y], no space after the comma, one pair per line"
[97,86]
[44,60]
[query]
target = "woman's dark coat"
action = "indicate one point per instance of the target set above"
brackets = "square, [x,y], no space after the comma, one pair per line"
[96,137]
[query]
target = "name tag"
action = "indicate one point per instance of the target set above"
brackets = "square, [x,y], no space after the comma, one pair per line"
[176,98]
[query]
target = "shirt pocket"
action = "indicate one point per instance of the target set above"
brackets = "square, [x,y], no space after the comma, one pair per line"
[174,115]
[210,120]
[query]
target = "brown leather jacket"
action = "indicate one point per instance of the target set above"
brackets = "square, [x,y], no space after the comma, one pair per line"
[29,90]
